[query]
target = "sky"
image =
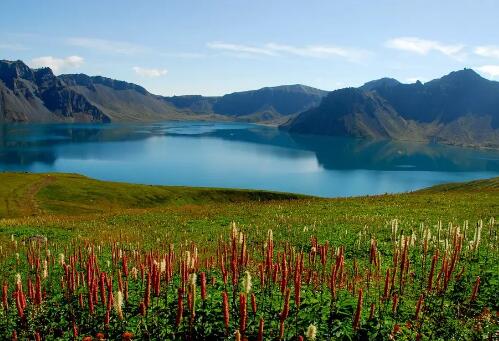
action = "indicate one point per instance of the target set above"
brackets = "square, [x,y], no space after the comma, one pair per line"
[217,47]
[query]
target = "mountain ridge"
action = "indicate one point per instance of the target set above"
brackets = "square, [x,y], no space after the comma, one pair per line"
[461,108]
[37,95]
[264,104]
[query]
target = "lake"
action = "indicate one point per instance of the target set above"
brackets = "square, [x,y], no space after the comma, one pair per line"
[238,156]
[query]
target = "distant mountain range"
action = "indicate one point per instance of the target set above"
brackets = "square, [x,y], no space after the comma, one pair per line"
[37,95]
[266,104]
[460,108]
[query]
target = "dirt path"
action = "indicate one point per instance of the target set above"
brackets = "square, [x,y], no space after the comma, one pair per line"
[30,194]
[21,201]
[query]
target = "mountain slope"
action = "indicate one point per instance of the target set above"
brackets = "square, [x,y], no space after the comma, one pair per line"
[285,100]
[461,108]
[122,101]
[380,83]
[446,99]
[264,104]
[351,111]
[195,103]
[34,196]
[30,194]
[38,95]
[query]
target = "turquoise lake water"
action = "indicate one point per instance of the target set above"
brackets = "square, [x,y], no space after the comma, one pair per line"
[238,156]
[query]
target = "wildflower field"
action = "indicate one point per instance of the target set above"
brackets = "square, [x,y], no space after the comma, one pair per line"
[89,260]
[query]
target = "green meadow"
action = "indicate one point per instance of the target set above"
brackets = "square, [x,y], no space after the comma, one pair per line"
[175,262]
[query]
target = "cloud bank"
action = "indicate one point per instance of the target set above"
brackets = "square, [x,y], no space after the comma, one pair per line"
[490,70]
[273,49]
[489,51]
[424,46]
[57,64]
[151,73]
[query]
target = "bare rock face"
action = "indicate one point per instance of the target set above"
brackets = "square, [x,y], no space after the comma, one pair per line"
[28,95]
[460,108]
[37,95]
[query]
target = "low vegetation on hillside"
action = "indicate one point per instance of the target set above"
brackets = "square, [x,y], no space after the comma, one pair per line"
[91,260]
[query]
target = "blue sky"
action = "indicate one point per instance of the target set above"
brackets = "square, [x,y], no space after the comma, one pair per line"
[216,47]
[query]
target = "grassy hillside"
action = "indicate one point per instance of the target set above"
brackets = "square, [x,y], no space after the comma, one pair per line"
[484,186]
[183,257]
[74,204]
[34,194]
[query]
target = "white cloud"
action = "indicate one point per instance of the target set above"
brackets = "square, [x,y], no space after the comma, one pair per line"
[487,51]
[108,46]
[57,64]
[423,46]
[273,49]
[144,72]
[240,48]
[489,70]
[320,51]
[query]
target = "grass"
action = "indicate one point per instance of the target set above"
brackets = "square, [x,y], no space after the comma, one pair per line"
[487,185]
[96,223]
[23,194]
[68,205]
[71,205]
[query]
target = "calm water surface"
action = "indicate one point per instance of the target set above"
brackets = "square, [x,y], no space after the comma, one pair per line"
[238,156]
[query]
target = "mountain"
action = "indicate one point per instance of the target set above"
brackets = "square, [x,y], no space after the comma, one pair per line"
[264,104]
[380,83]
[446,99]
[37,95]
[122,101]
[460,108]
[195,103]
[284,100]
[354,112]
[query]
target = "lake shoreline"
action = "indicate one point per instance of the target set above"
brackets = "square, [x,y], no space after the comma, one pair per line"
[238,155]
